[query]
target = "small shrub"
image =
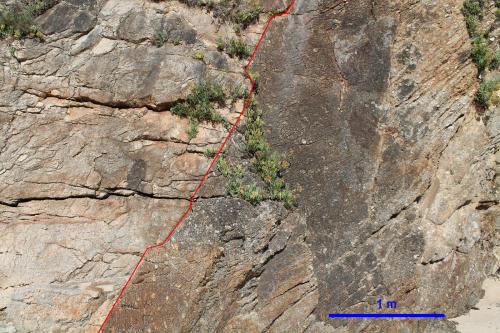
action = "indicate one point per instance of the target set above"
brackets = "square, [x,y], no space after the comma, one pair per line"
[485,91]
[223,166]
[284,195]
[473,7]
[248,16]
[252,193]
[198,55]
[210,152]
[239,92]
[255,78]
[181,110]
[495,62]
[481,54]
[193,128]
[471,23]
[254,132]
[234,175]
[176,40]
[160,38]
[234,185]
[234,47]
[18,20]
[237,48]
[220,43]
[267,163]
[199,105]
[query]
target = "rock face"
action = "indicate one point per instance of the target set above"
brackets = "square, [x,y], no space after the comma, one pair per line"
[370,102]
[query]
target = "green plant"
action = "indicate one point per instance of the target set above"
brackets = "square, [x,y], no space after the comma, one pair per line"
[160,38]
[239,92]
[198,55]
[275,11]
[473,7]
[495,62]
[223,166]
[18,19]
[471,23]
[237,47]
[199,105]
[220,43]
[254,75]
[12,51]
[252,193]
[193,128]
[176,40]
[210,152]
[267,163]
[485,91]
[234,185]
[248,16]
[234,47]
[234,175]
[480,53]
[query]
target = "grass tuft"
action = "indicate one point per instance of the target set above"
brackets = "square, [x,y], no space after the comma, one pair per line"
[234,47]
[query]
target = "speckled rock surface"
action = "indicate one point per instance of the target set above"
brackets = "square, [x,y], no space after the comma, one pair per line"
[370,102]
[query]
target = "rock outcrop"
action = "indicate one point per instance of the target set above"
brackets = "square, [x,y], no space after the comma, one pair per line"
[395,171]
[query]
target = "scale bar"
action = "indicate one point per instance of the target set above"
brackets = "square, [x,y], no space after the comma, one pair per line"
[386,315]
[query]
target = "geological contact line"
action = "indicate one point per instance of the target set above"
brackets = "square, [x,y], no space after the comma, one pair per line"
[200,183]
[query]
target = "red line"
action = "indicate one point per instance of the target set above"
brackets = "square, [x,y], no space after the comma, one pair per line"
[192,197]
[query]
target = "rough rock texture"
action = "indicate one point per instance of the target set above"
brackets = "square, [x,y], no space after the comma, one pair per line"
[371,103]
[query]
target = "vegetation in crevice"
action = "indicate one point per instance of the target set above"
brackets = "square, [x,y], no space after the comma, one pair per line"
[200,106]
[234,47]
[485,91]
[199,55]
[241,13]
[483,54]
[248,16]
[160,38]
[18,19]
[473,11]
[266,163]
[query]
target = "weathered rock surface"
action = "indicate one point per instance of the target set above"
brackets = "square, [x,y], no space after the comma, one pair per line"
[370,102]
[373,105]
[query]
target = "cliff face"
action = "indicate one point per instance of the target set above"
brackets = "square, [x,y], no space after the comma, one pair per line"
[370,103]
[373,105]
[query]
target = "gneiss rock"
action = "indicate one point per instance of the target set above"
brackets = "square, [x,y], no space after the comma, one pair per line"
[394,169]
